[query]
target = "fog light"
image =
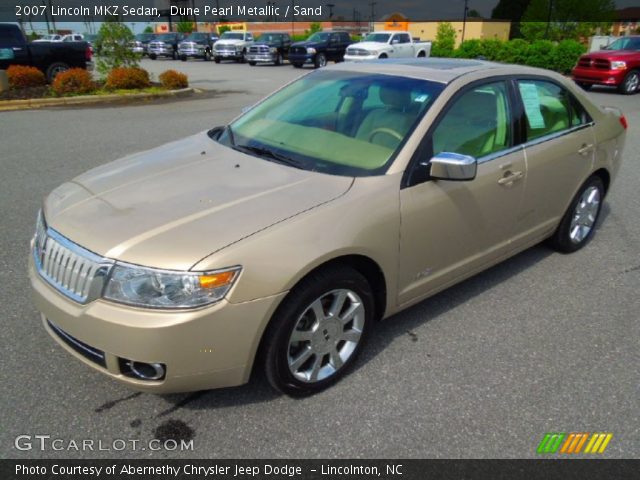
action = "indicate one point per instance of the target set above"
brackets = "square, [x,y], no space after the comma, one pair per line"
[142,370]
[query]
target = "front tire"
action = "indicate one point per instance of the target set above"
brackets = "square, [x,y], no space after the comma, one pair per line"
[320,60]
[297,65]
[253,64]
[630,83]
[216,59]
[318,331]
[153,56]
[183,58]
[585,86]
[579,222]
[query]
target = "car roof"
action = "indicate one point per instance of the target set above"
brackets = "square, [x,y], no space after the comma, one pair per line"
[443,70]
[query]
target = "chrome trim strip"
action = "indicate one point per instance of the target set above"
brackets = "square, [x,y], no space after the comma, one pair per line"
[82,346]
[554,135]
[501,153]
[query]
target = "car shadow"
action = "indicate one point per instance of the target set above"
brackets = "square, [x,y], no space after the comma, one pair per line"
[385,332]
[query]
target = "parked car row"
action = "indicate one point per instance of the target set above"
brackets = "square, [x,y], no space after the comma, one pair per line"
[276,47]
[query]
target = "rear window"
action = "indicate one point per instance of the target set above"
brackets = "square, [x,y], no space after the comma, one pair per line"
[9,35]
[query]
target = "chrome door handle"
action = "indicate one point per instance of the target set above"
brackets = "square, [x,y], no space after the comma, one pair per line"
[510,177]
[585,149]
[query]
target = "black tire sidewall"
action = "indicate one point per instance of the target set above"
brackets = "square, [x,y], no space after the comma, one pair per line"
[623,86]
[561,239]
[54,66]
[287,315]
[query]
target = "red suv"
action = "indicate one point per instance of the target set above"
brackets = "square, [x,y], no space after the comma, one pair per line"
[616,65]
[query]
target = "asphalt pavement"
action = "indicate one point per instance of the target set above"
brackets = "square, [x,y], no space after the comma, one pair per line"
[541,343]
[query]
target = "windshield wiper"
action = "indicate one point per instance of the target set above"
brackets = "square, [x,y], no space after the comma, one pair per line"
[269,155]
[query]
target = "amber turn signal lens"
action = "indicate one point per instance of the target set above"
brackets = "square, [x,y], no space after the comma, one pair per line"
[218,280]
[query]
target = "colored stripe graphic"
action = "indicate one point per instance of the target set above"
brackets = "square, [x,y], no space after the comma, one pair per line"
[551,442]
[598,443]
[573,442]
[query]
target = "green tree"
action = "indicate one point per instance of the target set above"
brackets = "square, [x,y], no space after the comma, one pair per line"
[113,43]
[511,10]
[315,27]
[473,14]
[223,28]
[445,40]
[184,27]
[148,29]
[566,19]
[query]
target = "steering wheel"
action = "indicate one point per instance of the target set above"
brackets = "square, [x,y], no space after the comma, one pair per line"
[385,130]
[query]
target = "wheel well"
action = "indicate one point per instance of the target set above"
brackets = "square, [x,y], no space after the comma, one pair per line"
[605,177]
[369,270]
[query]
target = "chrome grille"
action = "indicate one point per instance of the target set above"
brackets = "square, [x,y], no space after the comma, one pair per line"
[225,48]
[299,50]
[72,270]
[358,52]
[259,49]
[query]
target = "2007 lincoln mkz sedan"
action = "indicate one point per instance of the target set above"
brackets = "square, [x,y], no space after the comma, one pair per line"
[277,241]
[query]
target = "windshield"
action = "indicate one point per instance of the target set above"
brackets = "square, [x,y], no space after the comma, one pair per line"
[377,37]
[629,43]
[196,37]
[270,37]
[319,37]
[167,37]
[144,37]
[341,123]
[232,36]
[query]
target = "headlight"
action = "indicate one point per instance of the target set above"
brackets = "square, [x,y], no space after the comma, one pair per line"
[273,50]
[618,65]
[147,287]
[311,50]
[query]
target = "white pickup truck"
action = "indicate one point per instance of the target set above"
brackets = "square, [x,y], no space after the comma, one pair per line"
[387,44]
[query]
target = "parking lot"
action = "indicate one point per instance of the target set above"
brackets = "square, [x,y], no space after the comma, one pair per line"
[544,342]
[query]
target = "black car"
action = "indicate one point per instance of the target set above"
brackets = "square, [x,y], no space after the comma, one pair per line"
[197,45]
[320,48]
[142,41]
[271,47]
[49,57]
[165,45]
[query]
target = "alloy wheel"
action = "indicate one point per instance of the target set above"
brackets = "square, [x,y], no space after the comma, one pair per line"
[326,335]
[585,214]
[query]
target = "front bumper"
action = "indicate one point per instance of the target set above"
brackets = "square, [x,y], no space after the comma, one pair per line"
[161,51]
[227,54]
[261,57]
[212,347]
[597,76]
[192,52]
[301,58]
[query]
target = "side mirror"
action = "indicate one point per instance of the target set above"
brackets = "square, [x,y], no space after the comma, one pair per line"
[453,166]
[395,41]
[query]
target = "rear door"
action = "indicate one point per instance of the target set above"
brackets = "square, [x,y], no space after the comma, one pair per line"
[560,149]
[453,229]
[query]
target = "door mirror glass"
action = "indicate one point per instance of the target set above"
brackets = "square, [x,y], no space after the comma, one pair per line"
[453,166]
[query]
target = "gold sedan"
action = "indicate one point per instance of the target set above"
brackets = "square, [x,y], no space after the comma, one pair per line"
[277,241]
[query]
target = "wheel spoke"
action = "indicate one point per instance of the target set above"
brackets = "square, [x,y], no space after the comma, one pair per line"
[338,303]
[575,232]
[301,336]
[351,336]
[300,359]
[318,310]
[352,312]
[336,360]
[315,370]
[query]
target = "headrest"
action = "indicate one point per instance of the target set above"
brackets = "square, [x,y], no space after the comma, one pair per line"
[395,97]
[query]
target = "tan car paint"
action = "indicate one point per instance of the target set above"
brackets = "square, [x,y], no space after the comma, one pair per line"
[174,207]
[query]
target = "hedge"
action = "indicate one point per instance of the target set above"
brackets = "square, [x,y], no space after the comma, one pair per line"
[560,57]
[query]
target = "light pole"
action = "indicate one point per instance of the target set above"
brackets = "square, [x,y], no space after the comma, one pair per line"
[464,19]
[331,5]
[373,15]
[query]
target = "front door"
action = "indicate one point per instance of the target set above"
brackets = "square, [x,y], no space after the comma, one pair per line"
[452,229]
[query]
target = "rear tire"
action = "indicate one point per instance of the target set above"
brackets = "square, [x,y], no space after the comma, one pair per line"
[253,64]
[183,58]
[153,56]
[297,65]
[330,314]
[216,59]
[383,56]
[54,69]
[630,83]
[579,222]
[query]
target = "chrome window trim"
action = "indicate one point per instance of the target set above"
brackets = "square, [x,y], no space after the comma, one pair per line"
[558,134]
[499,153]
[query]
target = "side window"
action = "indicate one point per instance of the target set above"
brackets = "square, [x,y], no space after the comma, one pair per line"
[345,37]
[547,107]
[10,36]
[478,123]
[579,116]
[404,38]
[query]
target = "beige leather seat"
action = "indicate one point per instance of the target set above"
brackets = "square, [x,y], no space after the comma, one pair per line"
[397,116]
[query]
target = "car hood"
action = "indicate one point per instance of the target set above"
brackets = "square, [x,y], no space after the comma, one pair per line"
[230,42]
[174,205]
[369,45]
[613,54]
[308,44]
